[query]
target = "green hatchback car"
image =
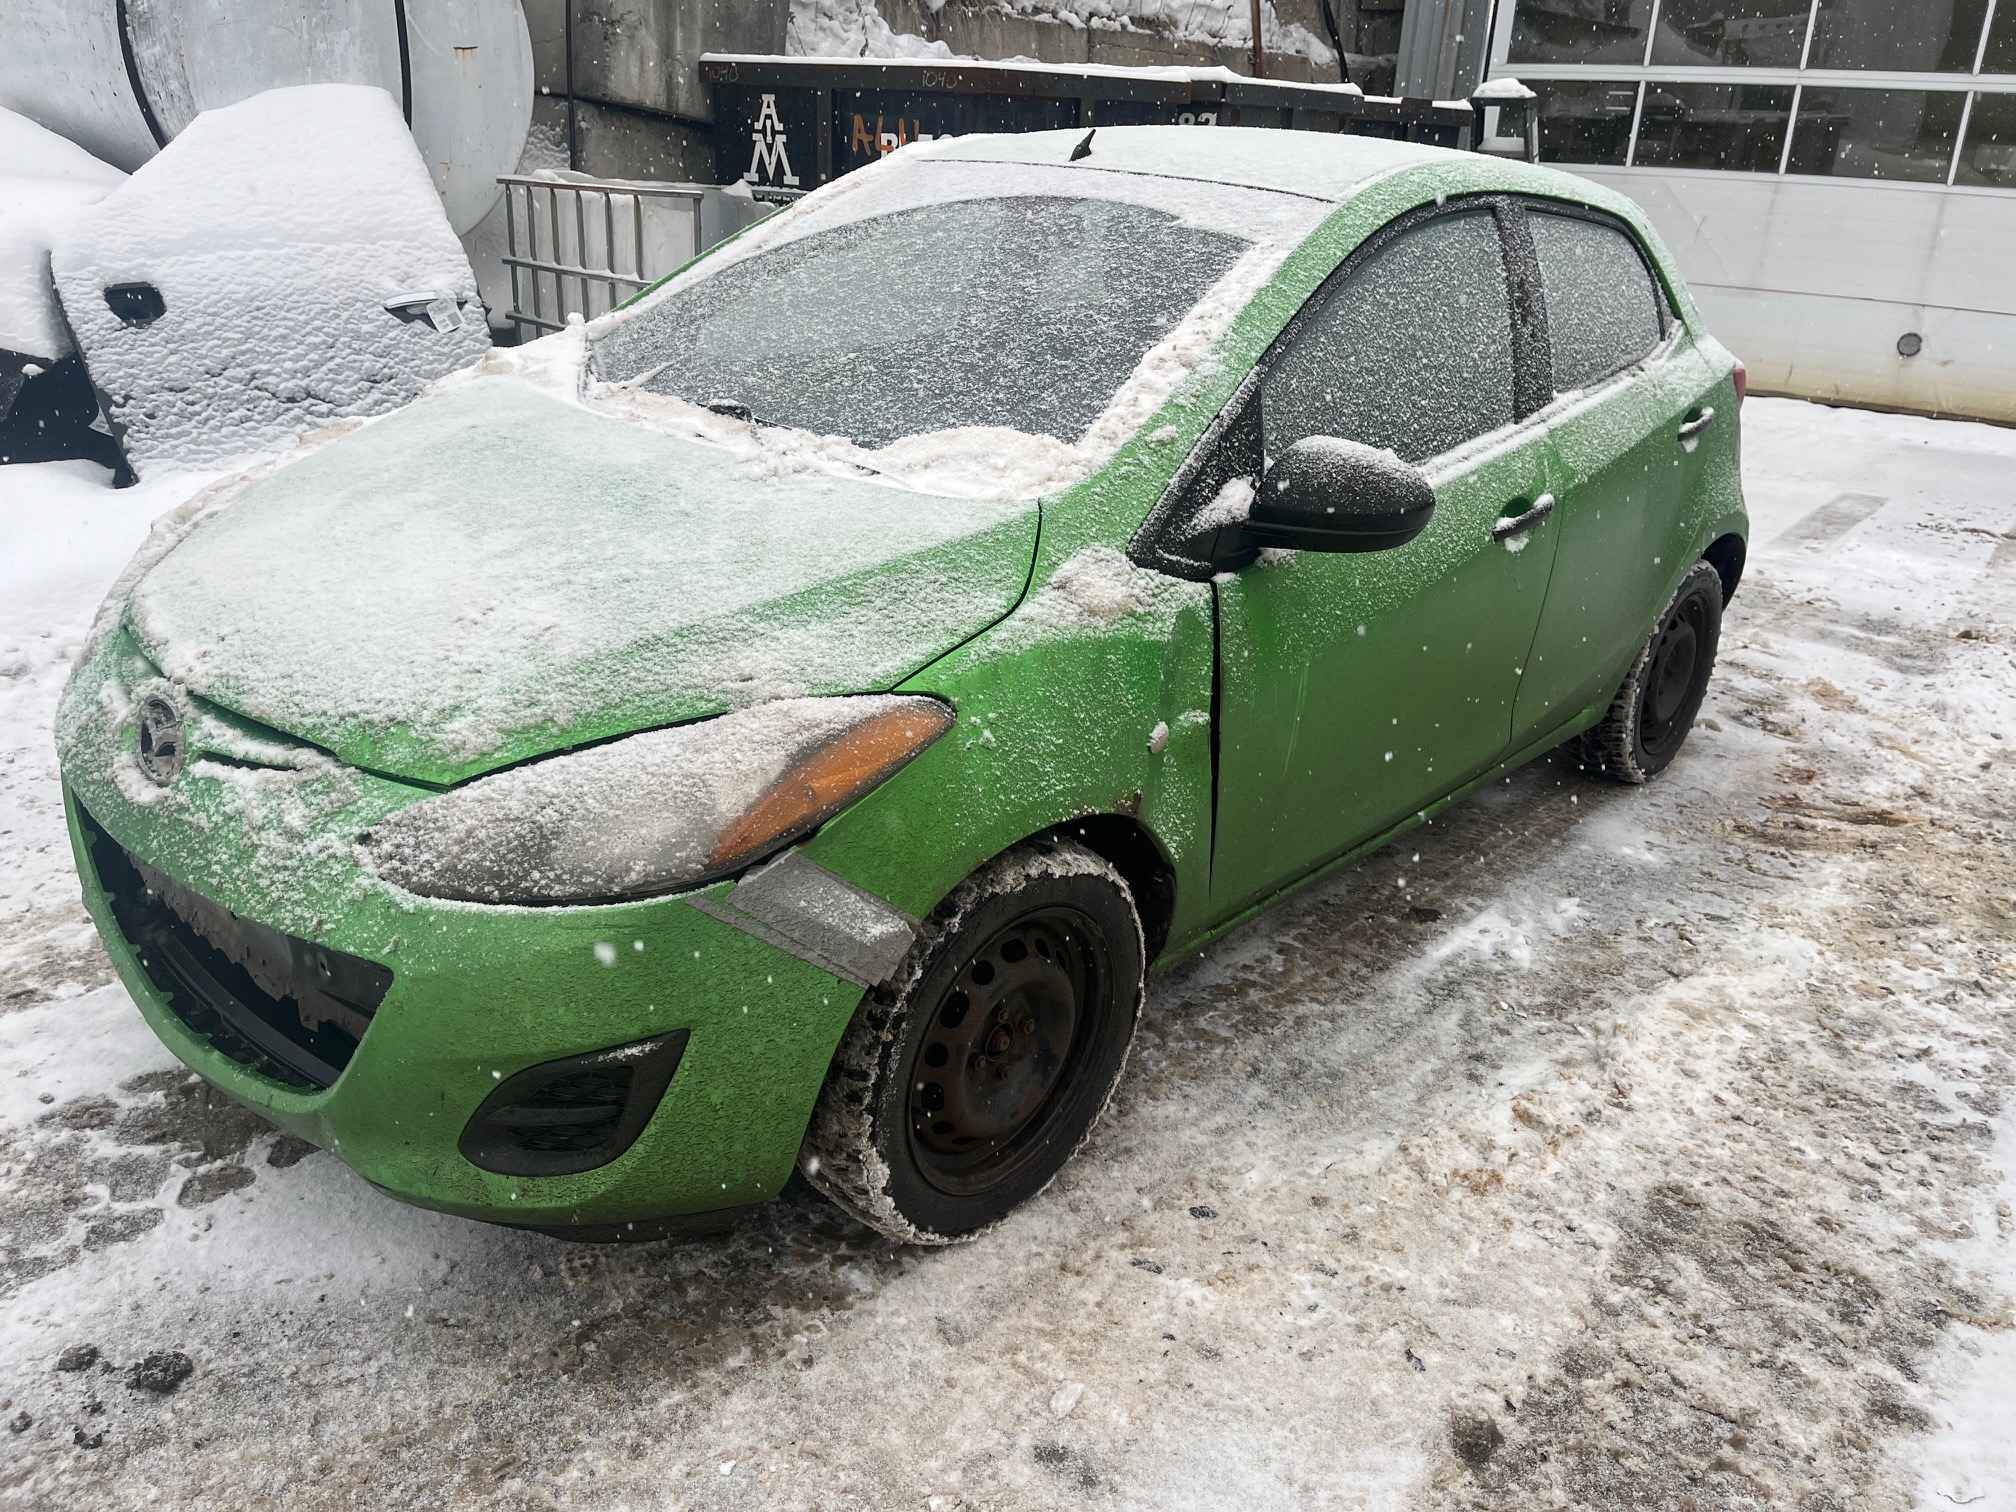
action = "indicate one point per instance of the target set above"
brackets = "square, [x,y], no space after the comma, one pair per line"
[783,722]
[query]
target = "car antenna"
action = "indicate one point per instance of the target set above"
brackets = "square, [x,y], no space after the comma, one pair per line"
[1084,148]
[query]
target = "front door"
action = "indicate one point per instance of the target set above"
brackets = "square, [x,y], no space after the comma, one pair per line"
[1354,689]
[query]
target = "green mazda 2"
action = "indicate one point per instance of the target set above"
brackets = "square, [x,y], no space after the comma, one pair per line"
[782,723]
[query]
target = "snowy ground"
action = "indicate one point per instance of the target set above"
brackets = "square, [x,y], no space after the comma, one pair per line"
[1596,1148]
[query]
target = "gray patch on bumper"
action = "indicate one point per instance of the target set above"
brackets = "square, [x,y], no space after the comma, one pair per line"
[798,906]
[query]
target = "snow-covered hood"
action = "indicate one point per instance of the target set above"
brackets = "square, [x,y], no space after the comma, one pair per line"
[496,573]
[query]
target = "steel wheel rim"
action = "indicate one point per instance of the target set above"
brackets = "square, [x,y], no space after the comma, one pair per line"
[1005,1049]
[1672,681]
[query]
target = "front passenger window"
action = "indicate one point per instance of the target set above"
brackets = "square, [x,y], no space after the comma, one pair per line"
[1412,351]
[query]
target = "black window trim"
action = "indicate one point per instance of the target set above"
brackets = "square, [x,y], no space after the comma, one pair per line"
[1523,207]
[1156,545]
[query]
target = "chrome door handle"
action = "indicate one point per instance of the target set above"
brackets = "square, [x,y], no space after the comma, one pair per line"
[1542,507]
[1697,425]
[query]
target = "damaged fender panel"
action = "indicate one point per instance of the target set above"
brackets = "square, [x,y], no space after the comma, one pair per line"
[798,906]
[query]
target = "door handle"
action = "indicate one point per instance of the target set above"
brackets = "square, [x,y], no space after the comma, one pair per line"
[1515,524]
[1695,427]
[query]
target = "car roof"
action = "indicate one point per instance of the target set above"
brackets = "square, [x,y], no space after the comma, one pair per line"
[1317,164]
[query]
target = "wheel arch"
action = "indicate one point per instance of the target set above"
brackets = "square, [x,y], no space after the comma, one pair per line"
[1130,848]
[1726,554]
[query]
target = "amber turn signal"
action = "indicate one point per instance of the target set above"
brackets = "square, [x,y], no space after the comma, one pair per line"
[828,778]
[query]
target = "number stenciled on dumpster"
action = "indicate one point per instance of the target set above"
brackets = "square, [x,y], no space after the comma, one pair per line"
[771,154]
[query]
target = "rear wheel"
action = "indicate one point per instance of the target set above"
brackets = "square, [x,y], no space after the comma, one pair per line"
[963,1086]
[1656,707]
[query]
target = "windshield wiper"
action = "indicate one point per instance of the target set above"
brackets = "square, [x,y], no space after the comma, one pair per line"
[734,409]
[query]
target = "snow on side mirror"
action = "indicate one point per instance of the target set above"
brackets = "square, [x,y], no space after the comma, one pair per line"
[1328,494]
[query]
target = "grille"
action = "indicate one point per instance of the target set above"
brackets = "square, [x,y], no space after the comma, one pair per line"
[281,1006]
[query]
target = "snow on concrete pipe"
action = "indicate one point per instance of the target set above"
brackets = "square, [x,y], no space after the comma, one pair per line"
[122,77]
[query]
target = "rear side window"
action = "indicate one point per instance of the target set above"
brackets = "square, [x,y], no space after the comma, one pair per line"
[1603,310]
[1412,351]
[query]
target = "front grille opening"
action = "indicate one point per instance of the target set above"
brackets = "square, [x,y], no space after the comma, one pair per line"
[278,1005]
[572,1115]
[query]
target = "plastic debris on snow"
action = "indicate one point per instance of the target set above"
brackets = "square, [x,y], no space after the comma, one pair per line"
[273,230]
[45,181]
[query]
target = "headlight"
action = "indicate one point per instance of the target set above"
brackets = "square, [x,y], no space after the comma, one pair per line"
[656,812]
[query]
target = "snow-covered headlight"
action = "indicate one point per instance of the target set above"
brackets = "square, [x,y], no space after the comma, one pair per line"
[656,812]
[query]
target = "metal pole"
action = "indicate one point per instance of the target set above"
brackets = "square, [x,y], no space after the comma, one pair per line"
[573,121]
[1259,52]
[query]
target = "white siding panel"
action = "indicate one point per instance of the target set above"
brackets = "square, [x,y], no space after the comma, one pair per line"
[1814,281]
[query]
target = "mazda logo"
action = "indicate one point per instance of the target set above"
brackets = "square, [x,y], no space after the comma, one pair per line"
[160,739]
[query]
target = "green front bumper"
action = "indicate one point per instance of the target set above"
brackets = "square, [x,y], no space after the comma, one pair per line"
[479,994]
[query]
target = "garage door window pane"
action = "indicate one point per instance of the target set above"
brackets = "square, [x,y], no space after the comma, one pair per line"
[1731,33]
[1989,158]
[1903,135]
[1580,31]
[1413,352]
[2001,55]
[1921,36]
[1584,123]
[1603,310]
[1739,127]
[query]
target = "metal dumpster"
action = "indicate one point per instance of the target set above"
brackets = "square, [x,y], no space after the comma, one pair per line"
[789,123]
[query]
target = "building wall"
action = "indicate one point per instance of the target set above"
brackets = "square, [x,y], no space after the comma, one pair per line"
[1837,178]
[639,110]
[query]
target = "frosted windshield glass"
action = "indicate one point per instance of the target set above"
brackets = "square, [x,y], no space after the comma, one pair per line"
[1022,312]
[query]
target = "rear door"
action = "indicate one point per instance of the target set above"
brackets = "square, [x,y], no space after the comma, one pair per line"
[1356,688]
[1633,397]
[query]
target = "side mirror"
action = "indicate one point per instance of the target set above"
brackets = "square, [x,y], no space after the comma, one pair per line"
[1328,494]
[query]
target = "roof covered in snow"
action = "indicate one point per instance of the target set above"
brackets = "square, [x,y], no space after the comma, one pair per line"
[1319,164]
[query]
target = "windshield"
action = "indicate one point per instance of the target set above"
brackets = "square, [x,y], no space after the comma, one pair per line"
[1026,312]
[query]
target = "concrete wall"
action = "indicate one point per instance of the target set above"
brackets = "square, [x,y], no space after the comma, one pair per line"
[640,110]
[974,28]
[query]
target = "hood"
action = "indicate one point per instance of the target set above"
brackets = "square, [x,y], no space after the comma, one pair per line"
[495,573]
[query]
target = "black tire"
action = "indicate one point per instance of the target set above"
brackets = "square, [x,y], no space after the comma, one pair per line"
[967,1081]
[1656,707]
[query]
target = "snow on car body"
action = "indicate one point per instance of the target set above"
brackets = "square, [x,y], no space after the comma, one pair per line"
[789,734]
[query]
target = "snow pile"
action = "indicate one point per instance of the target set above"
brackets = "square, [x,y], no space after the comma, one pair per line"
[857,28]
[44,182]
[851,29]
[1502,91]
[274,231]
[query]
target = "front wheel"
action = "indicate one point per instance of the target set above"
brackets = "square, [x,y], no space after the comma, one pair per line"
[1655,708]
[963,1086]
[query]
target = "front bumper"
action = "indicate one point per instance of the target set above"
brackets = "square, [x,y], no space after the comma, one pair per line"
[476,994]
